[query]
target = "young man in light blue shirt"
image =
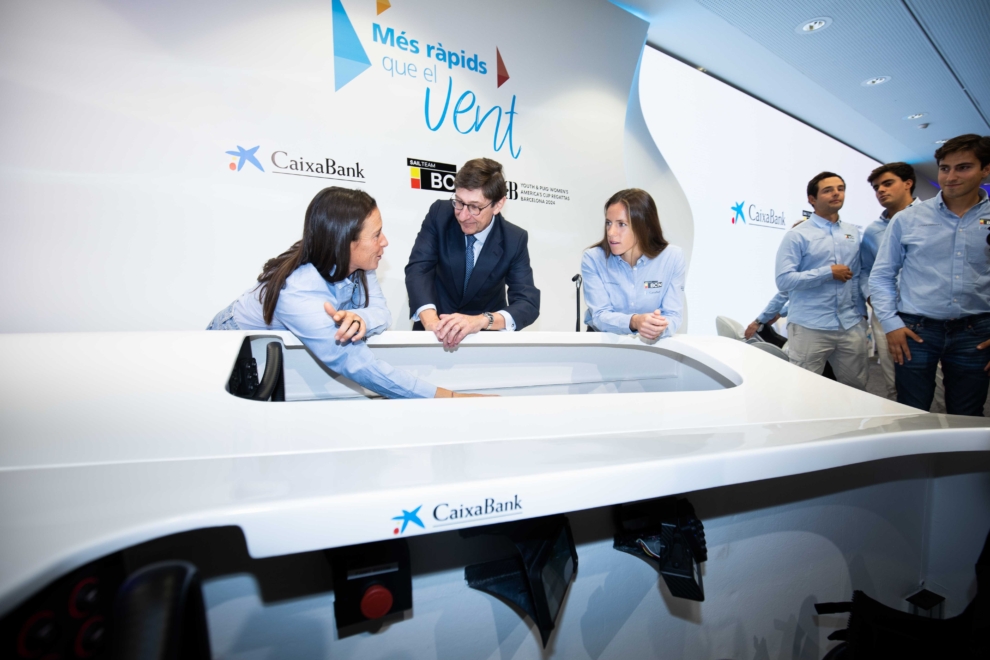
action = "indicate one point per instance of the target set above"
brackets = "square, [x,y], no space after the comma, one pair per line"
[776,308]
[818,266]
[893,184]
[930,285]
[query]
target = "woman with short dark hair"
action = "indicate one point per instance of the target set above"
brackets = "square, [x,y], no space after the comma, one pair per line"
[323,290]
[633,278]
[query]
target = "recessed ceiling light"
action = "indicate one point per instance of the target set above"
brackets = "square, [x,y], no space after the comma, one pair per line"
[702,69]
[814,25]
[872,82]
[925,125]
[917,115]
[940,141]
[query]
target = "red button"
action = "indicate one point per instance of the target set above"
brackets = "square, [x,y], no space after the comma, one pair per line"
[376,602]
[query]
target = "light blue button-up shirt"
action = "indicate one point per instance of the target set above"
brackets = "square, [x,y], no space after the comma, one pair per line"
[614,290]
[872,238]
[804,270]
[943,261]
[777,305]
[300,311]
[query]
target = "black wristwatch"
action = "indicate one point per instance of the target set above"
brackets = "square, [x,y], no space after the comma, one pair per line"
[491,319]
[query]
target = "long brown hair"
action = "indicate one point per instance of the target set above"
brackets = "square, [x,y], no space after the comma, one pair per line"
[333,220]
[643,218]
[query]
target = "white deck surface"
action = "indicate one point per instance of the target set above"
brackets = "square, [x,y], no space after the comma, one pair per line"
[112,439]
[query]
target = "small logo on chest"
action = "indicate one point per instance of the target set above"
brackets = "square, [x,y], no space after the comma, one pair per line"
[985,221]
[652,284]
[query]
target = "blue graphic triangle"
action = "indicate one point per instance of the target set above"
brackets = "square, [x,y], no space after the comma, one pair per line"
[344,71]
[349,58]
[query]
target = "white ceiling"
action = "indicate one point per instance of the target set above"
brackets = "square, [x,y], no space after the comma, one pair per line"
[936,53]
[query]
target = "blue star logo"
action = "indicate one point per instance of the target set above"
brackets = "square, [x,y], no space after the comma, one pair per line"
[246,155]
[739,213]
[410,517]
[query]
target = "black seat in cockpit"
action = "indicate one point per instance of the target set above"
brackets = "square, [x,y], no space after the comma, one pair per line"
[244,378]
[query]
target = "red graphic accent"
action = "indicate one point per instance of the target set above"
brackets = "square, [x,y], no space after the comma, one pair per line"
[22,649]
[376,602]
[233,167]
[73,610]
[396,530]
[502,75]
[79,648]
[415,183]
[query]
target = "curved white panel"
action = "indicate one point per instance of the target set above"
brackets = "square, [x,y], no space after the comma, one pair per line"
[728,150]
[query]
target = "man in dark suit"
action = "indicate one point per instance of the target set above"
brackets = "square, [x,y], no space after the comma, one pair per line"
[465,256]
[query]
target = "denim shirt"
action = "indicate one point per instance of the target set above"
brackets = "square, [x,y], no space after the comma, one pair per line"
[614,290]
[804,270]
[943,262]
[300,311]
[777,305]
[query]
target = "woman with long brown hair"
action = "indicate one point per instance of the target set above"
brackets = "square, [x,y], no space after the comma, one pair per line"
[633,278]
[323,290]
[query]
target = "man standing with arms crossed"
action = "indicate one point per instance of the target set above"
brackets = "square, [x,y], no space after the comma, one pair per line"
[893,184]
[939,249]
[818,267]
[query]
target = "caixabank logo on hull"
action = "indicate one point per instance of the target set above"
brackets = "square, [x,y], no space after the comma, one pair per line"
[407,57]
[292,164]
[445,514]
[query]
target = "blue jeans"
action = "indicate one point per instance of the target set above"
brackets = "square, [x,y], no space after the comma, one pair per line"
[224,320]
[953,343]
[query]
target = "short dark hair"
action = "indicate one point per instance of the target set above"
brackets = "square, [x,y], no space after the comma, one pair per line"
[902,171]
[482,174]
[813,184]
[980,146]
[643,218]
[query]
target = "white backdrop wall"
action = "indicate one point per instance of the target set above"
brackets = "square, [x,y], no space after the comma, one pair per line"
[646,168]
[726,148]
[121,210]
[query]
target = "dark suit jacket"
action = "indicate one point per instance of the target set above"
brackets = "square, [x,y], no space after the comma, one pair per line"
[435,272]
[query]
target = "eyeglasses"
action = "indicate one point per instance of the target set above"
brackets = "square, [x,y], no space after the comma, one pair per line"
[473,209]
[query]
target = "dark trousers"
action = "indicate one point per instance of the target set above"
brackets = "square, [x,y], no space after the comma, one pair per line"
[953,343]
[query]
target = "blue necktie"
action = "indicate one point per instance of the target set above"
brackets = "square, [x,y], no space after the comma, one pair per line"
[468,259]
